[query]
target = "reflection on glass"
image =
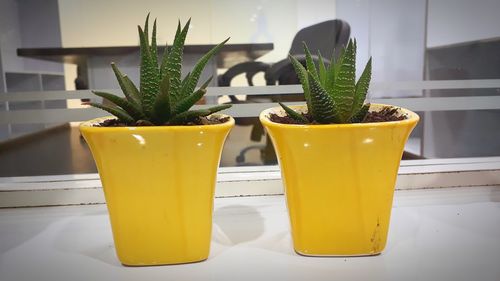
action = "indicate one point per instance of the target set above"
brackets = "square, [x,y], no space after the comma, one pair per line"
[408,40]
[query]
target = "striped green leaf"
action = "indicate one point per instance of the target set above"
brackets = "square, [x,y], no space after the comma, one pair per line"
[146,29]
[302,74]
[149,76]
[360,115]
[294,114]
[187,102]
[154,47]
[311,67]
[334,69]
[344,86]
[193,78]
[163,65]
[162,96]
[188,116]
[162,108]
[174,62]
[132,109]
[119,113]
[362,87]
[185,80]
[322,104]
[322,71]
[128,88]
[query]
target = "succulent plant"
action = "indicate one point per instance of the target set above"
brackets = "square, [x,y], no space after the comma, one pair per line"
[162,98]
[331,92]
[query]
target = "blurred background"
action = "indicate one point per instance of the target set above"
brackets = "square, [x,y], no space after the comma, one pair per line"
[49,46]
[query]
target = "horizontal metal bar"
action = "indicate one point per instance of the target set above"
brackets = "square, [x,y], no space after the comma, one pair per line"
[435,85]
[268,90]
[445,103]
[253,109]
[51,95]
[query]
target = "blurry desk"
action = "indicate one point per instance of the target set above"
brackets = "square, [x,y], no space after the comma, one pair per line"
[94,71]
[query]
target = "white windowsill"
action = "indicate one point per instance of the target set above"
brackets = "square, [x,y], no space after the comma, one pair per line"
[246,181]
[435,234]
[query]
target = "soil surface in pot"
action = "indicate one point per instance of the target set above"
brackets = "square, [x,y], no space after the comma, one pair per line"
[387,114]
[198,121]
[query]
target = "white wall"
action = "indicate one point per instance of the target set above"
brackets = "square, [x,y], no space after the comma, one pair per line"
[456,21]
[311,12]
[87,23]
[28,24]
[393,33]
[9,36]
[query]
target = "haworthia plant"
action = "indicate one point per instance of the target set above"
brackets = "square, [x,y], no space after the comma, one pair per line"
[331,92]
[162,98]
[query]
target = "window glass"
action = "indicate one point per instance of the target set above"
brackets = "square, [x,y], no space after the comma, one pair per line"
[425,56]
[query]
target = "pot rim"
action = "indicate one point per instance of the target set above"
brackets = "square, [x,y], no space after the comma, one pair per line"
[412,118]
[89,125]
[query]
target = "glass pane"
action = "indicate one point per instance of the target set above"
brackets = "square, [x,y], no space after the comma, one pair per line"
[410,42]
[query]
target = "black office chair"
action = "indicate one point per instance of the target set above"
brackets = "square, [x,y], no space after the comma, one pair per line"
[327,37]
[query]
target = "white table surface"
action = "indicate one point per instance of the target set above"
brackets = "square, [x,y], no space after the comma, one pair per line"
[438,234]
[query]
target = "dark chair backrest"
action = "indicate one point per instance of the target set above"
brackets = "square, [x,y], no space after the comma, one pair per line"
[327,36]
[324,36]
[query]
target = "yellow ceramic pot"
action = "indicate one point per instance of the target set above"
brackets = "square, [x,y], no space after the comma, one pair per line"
[339,181]
[159,186]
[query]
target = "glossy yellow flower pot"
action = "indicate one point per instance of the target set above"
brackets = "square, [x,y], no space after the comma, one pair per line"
[159,186]
[339,181]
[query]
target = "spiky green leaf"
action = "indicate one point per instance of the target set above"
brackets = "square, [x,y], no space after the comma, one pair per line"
[360,115]
[362,87]
[131,108]
[188,116]
[337,62]
[162,108]
[187,102]
[150,77]
[322,71]
[160,86]
[154,47]
[322,104]
[311,67]
[185,80]
[146,29]
[163,65]
[218,108]
[302,74]
[174,62]
[294,115]
[344,86]
[119,113]
[193,78]
[333,69]
[128,88]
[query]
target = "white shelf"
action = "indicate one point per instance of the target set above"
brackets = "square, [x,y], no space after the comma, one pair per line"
[441,234]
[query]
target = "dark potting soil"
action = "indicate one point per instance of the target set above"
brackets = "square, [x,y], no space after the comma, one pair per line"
[387,114]
[197,121]
[289,120]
